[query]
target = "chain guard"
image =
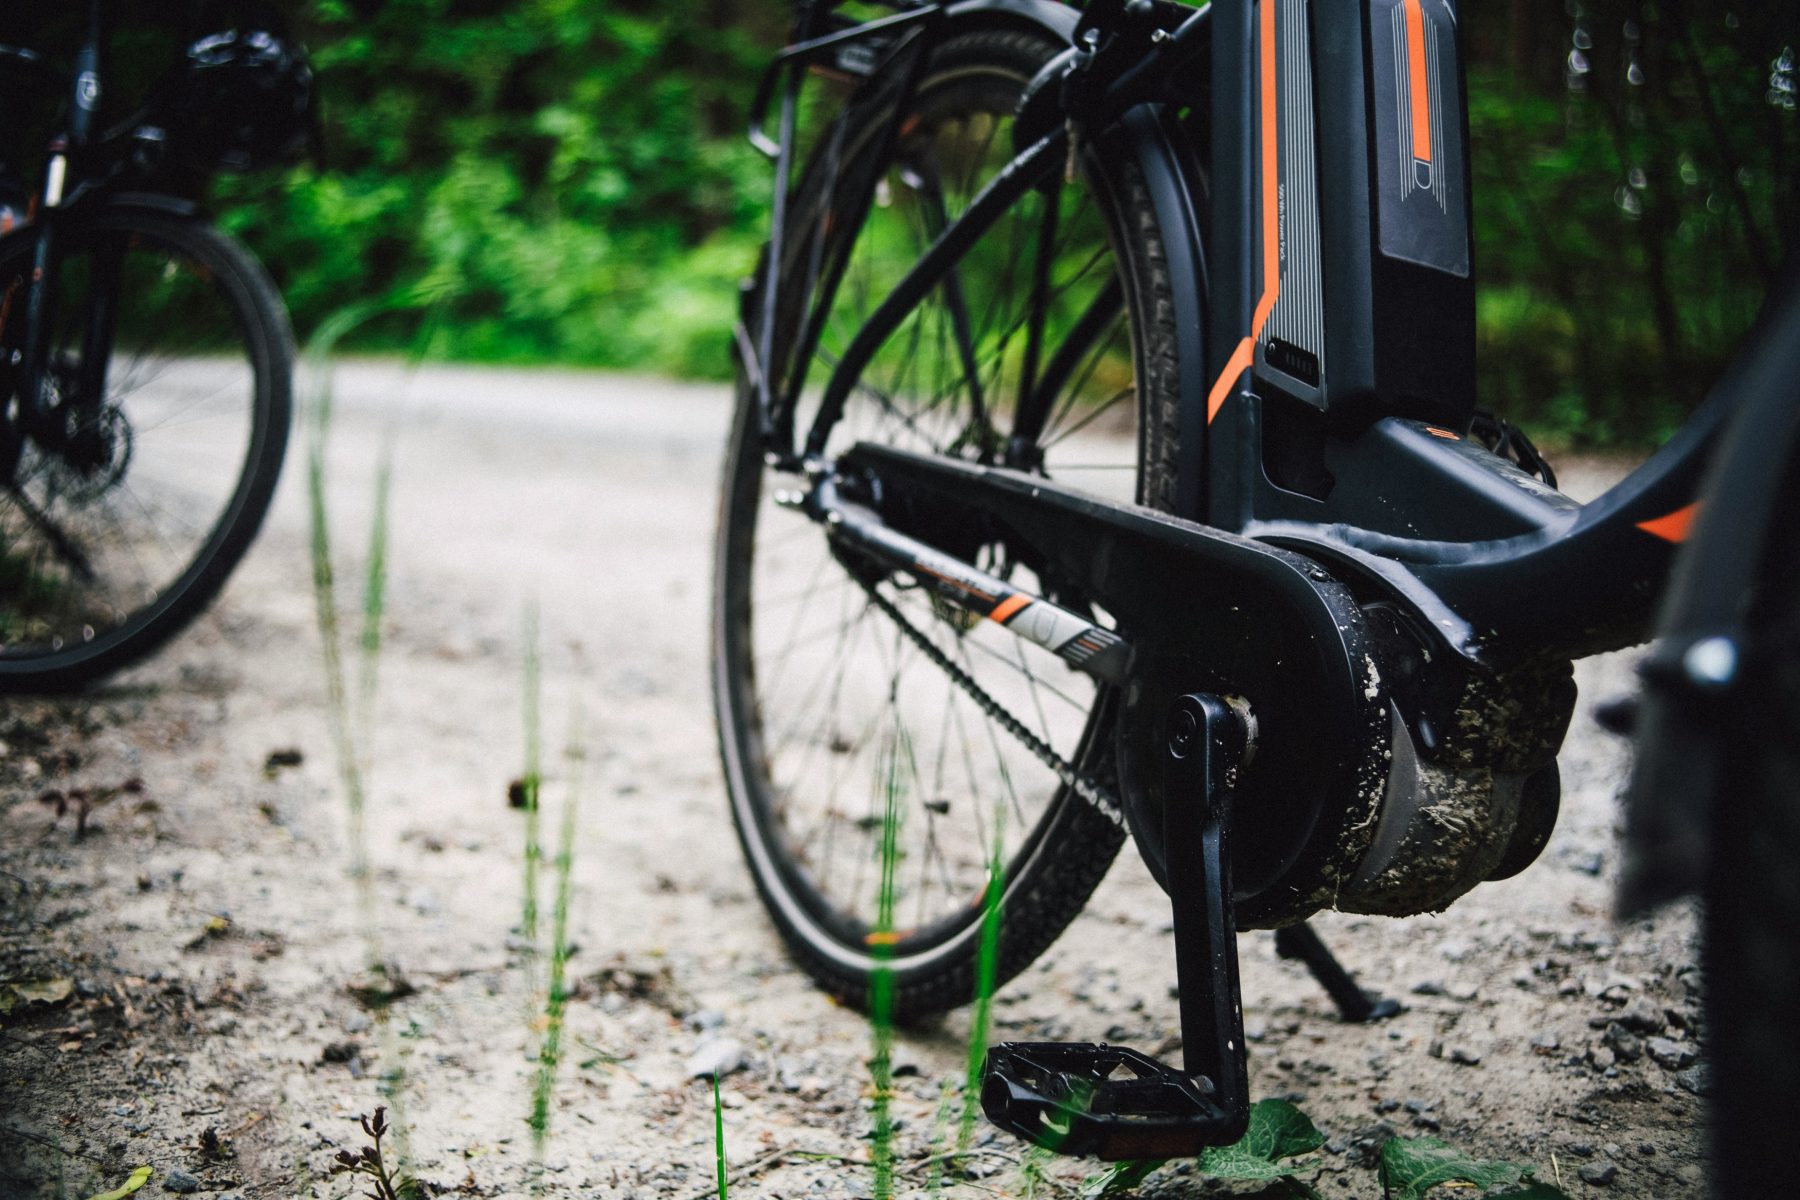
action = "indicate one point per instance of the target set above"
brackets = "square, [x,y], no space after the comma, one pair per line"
[1306,804]
[1384,779]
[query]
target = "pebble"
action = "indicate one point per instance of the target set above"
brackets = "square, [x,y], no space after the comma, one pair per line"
[1602,1057]
[1546,1042]
[1588,864]
[706,1019]
[1671,1054]
[339,1052]
[1624,1043]
[1428,987]
[1640,1018]
[1695,1079]
[715,1056]
[1464,1055]
[1598,1173]
[180,1181]
[1461,991]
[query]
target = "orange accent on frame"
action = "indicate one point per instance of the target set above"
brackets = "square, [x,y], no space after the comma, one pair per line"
[1675,526]
[878,938]
[1239,363]
[1009,608]
[1245,354]
[1434,431]
[972,590]
[1418,82]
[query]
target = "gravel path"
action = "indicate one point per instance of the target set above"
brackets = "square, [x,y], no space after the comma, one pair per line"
[215,1024]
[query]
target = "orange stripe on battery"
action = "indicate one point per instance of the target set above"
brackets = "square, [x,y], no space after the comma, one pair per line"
[1244,355]
[1675,526]
[1418,83]
[1009,608]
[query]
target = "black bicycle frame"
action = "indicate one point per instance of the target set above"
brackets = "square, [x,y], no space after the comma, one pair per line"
[64,171]
[1338,387]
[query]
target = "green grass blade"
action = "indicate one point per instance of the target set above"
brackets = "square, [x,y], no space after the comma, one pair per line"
[531,781]
[719,1135]
[556,1000]
[987,968]
[351,724]
[881,978]
[375,587]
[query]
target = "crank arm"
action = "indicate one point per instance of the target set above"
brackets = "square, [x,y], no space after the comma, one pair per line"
[1113,1103]
[862,532]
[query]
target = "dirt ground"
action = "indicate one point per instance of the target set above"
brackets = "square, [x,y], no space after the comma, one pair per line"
[206,1011]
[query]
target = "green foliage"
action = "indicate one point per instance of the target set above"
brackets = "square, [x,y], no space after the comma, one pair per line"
[1118,1178]
[1277,1133]
[572,181]
[1411,1167]
[1634,189]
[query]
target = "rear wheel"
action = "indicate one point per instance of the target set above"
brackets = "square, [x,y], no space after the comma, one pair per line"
[123,512]
[835,705]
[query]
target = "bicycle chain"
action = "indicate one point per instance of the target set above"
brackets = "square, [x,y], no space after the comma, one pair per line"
[1098,796]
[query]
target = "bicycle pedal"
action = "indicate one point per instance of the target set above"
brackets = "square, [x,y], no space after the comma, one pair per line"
[1108,1102]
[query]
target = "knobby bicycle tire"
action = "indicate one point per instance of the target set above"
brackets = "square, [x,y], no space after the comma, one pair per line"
[1752,912]
[192,430]
[1060,847]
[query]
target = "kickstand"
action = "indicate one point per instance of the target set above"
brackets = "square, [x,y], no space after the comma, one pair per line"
[1353,1004]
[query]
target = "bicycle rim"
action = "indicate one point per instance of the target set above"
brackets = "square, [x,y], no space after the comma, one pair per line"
[848,728]
[117,515]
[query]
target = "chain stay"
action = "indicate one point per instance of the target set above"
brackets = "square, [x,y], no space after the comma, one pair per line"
[1096,794]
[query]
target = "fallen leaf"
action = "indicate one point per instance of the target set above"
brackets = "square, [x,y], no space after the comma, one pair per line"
[138,1178]
[1118,1177]
[43,991]
[1410,1167]
[1277,1131]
